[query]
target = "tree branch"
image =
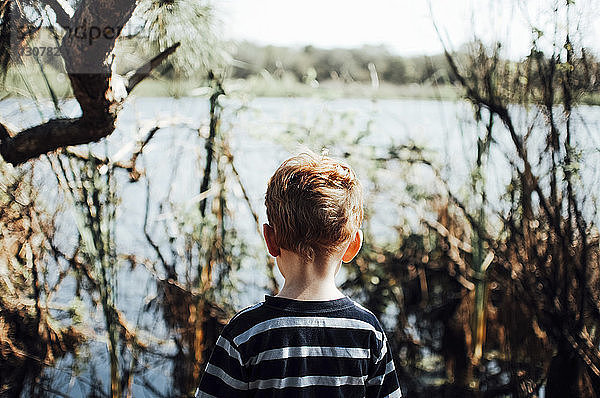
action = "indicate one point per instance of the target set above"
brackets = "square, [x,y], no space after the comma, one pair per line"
[63,18]
[502,112]
[51,135]
[143,71]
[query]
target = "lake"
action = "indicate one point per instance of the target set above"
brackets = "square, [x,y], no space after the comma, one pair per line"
[263,132]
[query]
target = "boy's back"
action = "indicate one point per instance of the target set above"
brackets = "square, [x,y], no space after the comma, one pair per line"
[296,348]
[310,340]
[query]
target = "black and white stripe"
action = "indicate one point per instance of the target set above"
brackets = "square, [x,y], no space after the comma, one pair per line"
[283,347]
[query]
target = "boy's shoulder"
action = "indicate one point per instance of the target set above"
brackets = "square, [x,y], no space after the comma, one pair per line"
[244,319]
[266,314]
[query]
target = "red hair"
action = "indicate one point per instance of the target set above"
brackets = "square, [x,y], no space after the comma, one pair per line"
[314,204]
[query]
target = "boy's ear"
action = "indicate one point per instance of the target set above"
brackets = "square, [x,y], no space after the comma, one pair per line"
[354,247]
[269,234]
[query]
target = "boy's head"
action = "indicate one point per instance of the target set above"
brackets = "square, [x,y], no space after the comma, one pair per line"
[314,205]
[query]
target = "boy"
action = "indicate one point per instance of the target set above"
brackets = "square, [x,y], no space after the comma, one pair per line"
[310,340]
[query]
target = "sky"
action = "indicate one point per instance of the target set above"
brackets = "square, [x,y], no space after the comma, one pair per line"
[405,27]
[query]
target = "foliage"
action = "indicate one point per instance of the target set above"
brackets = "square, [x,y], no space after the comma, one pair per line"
[30,336]
[189,22]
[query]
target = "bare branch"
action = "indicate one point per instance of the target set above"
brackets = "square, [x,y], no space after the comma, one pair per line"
[134,174]
[51,135]
[130,166]
[62,16]
[504,115]
[143,71]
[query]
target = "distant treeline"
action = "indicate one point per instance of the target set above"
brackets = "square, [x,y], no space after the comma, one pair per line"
[347,65]
[309,63]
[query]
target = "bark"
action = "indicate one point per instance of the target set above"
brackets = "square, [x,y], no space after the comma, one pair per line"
[62,17]
[54,134]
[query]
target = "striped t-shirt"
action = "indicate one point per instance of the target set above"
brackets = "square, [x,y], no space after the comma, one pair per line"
[291,348]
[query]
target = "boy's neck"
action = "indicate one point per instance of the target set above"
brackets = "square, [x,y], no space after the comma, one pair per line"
[306,282]
[311,291]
